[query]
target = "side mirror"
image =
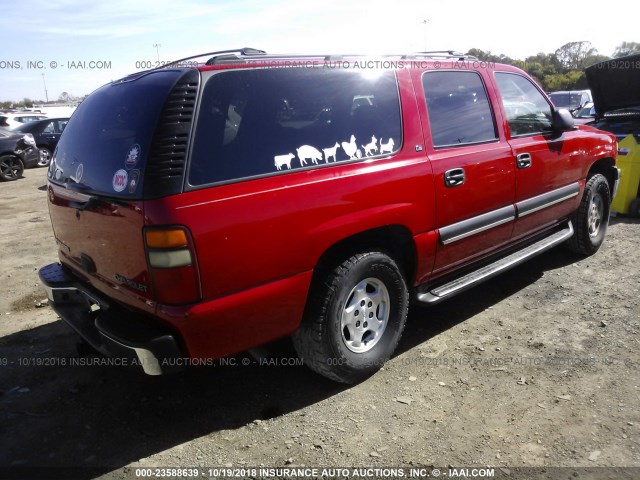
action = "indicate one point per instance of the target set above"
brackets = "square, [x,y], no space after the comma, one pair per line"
[562,120]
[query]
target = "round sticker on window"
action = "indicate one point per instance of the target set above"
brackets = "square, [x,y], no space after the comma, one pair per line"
[132,157]
[119,181]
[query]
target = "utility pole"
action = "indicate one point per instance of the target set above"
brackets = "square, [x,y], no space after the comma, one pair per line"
[424,22]
[157,47]
[45,88]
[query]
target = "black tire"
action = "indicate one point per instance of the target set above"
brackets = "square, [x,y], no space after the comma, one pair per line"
[330,341]
[11,168]
[592,217]
[45,157]
[634,208]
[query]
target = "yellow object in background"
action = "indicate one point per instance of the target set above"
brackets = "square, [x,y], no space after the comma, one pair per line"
[629,165]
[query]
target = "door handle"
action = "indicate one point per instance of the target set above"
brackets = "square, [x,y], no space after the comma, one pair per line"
[454,177]
[523,160]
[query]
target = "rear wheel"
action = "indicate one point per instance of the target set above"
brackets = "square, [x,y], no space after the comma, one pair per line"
[354,319]
[11,168]
[592,217]
[45,157]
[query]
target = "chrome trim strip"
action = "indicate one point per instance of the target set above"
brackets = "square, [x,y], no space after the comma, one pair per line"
[437,294]
[466,228]
[534,204]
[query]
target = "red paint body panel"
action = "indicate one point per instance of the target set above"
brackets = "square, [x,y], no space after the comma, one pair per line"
[238,322]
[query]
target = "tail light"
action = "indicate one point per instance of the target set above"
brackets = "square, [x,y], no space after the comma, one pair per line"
[172,265]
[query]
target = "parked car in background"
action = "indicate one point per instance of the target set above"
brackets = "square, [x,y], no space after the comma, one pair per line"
[616,98]
[17,151]
[13,120]
[585,114]
[46,134]
[572,100]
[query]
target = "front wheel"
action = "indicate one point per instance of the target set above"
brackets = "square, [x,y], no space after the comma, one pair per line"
[592,217]
[11,168]
[354,319]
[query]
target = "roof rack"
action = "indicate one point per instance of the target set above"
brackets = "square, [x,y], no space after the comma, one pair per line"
[240,55]
[441,54]
[245,51]
[232,56]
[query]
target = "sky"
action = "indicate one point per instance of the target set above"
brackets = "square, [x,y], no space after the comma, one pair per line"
[76,46]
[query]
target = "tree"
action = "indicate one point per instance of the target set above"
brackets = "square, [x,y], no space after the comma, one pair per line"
[572,80]
[573,54]
[66,98]
[626,48]
[593,59]
[489,57]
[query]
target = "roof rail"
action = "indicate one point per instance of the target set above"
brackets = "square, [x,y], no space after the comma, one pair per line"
[245,51]
[441,54]
[233,57]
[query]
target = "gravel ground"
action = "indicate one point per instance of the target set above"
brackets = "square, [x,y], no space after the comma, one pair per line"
[537,368]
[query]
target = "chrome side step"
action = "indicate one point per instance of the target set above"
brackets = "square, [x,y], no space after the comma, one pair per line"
[442,292]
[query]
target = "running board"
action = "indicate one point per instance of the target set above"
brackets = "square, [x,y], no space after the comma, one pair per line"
[469,280]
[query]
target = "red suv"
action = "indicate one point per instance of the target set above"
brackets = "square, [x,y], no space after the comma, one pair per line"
[204,210]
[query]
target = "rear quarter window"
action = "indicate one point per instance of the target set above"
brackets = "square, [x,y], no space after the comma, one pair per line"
[267,121]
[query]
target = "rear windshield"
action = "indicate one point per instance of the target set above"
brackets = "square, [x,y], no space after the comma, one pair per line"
[104,146]
[269,121]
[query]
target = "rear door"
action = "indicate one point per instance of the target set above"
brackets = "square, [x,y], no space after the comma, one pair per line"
[51,133]
[548,164]
[472,164]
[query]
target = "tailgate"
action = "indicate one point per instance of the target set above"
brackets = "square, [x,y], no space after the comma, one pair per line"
[101,239]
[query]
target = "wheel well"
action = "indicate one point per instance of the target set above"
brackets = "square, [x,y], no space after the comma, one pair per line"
[394,240]
[605,167]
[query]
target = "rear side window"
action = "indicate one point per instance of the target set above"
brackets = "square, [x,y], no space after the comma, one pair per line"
[528,112]
[55,126]
[50,128]
[265,121]
[458,108]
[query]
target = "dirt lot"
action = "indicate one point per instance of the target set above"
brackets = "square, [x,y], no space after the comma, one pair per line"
[536,368]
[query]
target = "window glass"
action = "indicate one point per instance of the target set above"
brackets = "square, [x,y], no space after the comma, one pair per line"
[49,128]
[458,107]
[567,100]
[260,121]
[107,141]
[527,110]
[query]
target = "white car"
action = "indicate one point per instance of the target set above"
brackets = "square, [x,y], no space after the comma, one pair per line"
[14,120]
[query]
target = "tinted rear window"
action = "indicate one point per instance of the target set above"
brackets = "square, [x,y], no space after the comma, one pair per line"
[266,121]
[104,146]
